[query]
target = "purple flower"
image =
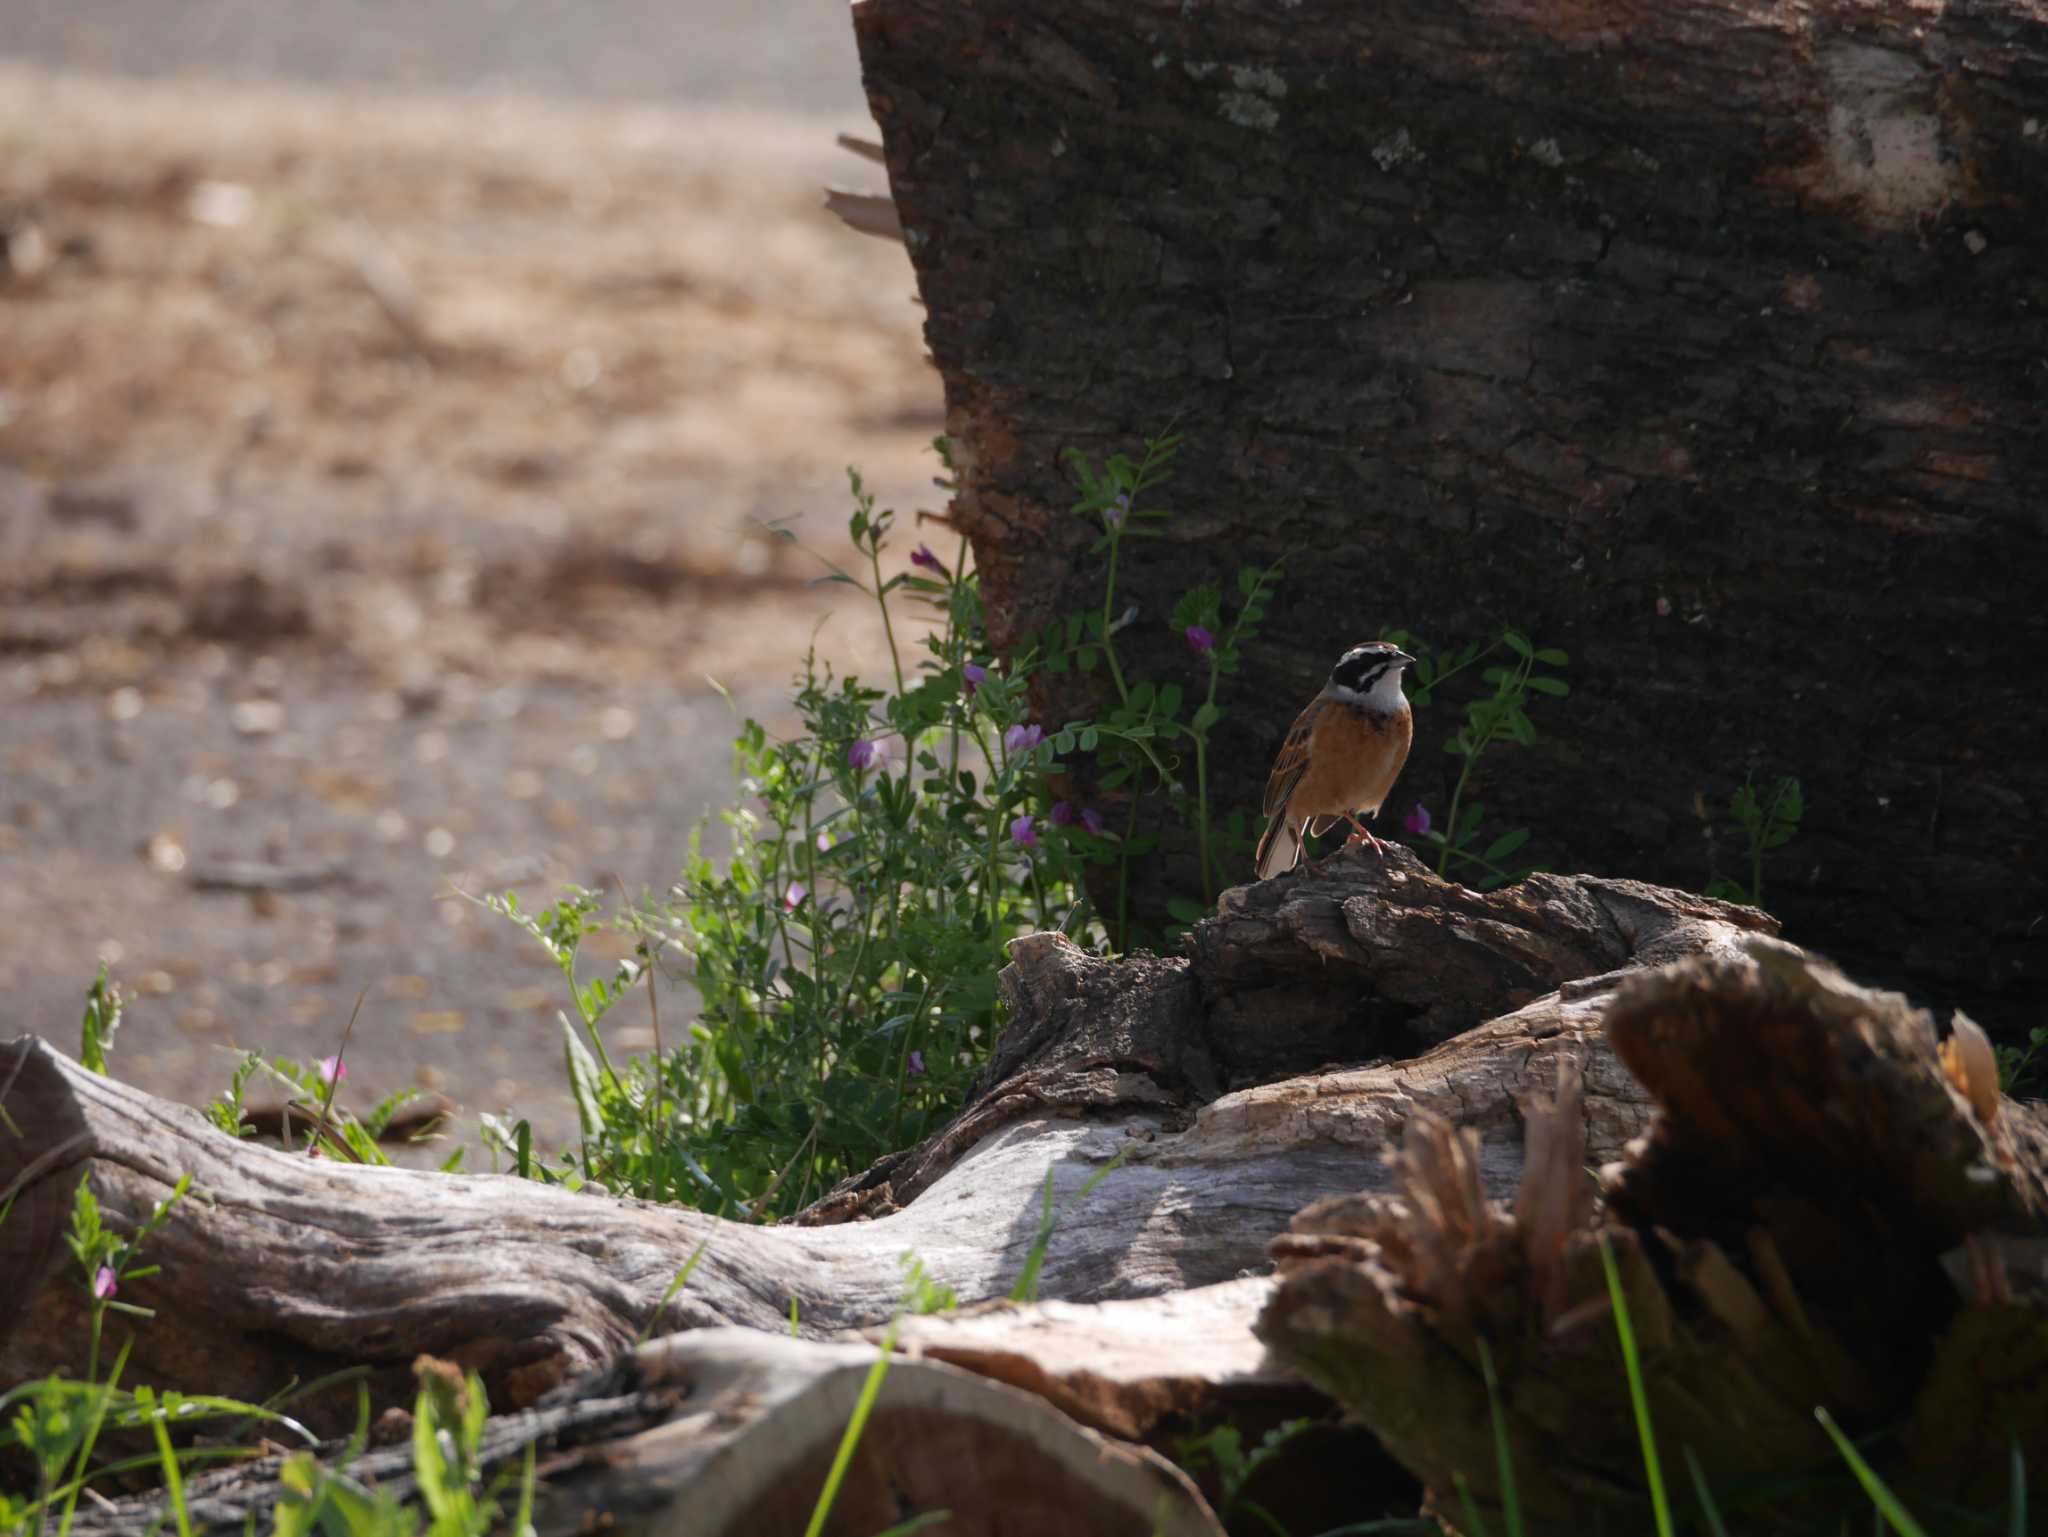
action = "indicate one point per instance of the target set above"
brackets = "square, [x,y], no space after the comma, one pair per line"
[1062,814]
[917,1064]
[1200,641]
[972,676]
[1021,833]
[1417,820]
[924,557]
[1114,514]
[793,897]
[824,840]
[1023,738]
[332,1070]
[103,1285]
[864,754]
[1092,820]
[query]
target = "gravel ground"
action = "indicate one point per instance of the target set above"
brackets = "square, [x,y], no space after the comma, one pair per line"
[380,480]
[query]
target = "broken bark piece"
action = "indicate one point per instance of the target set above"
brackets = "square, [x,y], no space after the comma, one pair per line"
[1121,1367]
[1779,1232]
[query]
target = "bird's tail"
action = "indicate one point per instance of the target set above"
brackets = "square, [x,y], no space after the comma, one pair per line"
[1280,848]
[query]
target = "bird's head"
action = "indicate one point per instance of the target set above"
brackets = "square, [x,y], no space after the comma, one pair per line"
[1372,670]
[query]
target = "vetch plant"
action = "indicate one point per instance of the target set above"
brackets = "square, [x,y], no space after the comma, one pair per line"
[1768,821]
[844,956]
[1489,720]
[1139,741]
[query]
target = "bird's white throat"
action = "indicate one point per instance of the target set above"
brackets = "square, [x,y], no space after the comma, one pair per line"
[1383,698]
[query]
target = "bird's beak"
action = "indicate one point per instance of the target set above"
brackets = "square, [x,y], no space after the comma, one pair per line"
[1404,659]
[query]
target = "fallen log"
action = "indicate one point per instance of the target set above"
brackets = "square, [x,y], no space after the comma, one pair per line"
[1826,1212]
[730,1432]
[278,1267]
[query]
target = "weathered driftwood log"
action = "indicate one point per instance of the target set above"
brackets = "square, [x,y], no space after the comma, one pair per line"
[1358,958]
[1702,340]
[1826,1213]
[277,1266]
[729,1433]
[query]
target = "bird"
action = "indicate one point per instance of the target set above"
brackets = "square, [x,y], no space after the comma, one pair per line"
[1341,756]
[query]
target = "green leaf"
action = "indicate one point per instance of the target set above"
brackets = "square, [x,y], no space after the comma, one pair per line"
[1556,687]
[1169,700]
[1551,656]
[1506,844]
[1207,715]
[1185,910]
[1089,737]
[1518,643]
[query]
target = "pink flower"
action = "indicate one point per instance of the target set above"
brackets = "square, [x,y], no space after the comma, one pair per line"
[1021,833]
[1417,820]
[917,1064]
[332,1070]
[824,840]
[1062,814]
[103,1285]
[972,676]
[793,897]
[1092,820]
[864,754]
[1663,608]
[1023,738]
[924,557]
[1200,641]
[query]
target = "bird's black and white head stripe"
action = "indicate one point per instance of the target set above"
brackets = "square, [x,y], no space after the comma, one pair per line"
[1362,670]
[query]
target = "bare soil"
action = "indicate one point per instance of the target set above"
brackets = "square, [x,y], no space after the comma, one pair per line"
[380,483]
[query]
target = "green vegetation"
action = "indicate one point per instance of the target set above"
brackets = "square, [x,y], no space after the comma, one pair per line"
[1767,821]
[1490,719]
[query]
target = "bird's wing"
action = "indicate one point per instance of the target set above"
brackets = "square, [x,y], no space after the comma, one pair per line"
[1292,761]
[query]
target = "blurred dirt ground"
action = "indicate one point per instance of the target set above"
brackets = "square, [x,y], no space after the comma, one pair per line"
[380,481]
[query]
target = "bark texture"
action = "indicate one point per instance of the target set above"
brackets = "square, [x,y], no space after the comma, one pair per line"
[1827,1212]
[278,1266]
[1702,340]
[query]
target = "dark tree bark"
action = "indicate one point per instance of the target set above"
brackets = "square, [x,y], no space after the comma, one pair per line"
[1703,340]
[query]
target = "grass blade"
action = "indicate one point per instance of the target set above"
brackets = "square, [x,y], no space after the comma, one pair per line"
[1880,1493]
[1715,1526]
[1511,1503]
[1652,1469]
[682,1279]
[1475,1525]
[850,1439]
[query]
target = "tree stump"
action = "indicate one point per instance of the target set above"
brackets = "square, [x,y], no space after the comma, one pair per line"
[1826,1212]
[1703,341]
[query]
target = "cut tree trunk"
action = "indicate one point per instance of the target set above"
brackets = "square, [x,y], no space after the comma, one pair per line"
[277,1266]
[1827,1212]
[1705,341]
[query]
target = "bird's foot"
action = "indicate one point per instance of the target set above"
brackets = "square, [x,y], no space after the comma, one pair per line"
[1362,834]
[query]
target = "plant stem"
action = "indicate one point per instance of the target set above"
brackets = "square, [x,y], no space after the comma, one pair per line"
[1116,673]
[882,602]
